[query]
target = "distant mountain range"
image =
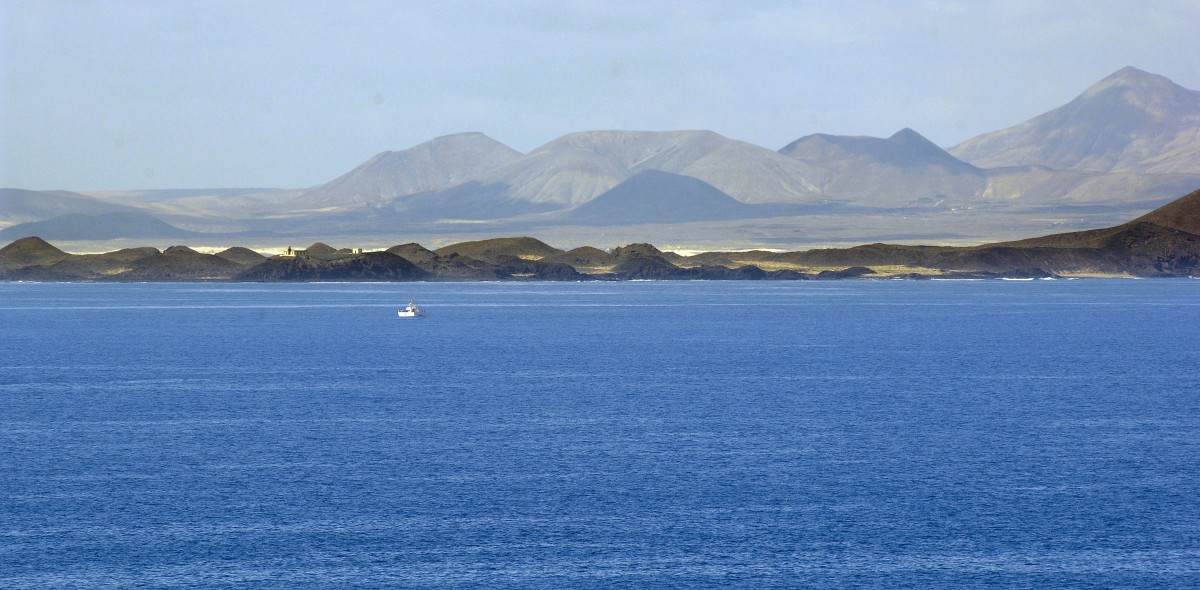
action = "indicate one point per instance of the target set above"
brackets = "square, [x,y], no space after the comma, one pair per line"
[1129,143]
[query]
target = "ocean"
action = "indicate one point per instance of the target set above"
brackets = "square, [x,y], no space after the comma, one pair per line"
[875,434]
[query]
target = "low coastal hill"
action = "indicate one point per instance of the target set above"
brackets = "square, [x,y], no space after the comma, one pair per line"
[1182,214]
[1162,243]
[492,250]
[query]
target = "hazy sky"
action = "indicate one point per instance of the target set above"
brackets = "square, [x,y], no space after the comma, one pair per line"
[165,94]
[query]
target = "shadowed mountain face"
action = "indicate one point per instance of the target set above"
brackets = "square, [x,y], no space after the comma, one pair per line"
[103,226]
[20,206]
[470,201]
[652,196]
[1131,121]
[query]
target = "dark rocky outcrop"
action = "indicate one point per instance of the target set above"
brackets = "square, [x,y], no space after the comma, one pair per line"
[452,266]
[641,250]
[648,268]
[853,272]
[98,266]
[584,257]
[539,270]
[373,266]
[179,263]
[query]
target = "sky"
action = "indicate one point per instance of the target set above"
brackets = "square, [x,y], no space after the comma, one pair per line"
[124,95]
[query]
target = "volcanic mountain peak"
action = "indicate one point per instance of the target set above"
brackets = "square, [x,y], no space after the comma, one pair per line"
[1129,121]
[1133,82]
[905,148]
[29,251]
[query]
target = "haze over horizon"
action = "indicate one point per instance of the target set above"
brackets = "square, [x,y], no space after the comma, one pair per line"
[142,95]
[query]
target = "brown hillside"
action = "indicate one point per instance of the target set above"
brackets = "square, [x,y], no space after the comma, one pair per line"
[1182,213]
[414,252]
[584,257]
[180,263]
[29,252]
[644,250]
[242,256]
[1135,248]
[495,249]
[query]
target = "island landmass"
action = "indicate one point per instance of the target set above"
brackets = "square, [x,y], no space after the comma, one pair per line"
[1162,243]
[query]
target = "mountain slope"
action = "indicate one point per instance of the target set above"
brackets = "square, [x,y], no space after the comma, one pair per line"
[578,167]
[436,164]
[908,171]
[1182,214]
[469,200]
[1129,121]
[903,170]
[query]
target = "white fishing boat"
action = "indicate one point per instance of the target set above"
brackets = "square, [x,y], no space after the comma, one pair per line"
[412,311]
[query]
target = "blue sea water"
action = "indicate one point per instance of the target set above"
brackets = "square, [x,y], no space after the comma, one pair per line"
[939,434]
